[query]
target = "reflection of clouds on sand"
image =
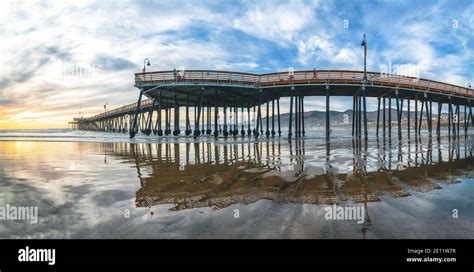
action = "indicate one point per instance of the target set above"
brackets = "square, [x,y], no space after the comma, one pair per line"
[68,201]
[54,218]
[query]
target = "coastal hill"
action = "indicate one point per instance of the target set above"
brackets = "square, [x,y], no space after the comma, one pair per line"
[318,118]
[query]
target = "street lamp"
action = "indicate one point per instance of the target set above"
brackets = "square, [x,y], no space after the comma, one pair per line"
[105,107]
[146,62]
[364,44]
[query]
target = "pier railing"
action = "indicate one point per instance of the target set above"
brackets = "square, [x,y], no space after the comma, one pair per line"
[127,108]
[299,77]
[283,78]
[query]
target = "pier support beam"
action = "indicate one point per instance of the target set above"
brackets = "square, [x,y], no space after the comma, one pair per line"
[378,117]
[273,118]
[399,115]
[408,117]
[428,114]
[438,123]
[290,133]
[416,115]
[297,119]
[450,116]
[458,119]
[470,118]
[421,115]
[236,113]
[354,114]
[328,121]
[176,130]
[149,122]
[431,117]
[466,121]
[143,122]
[159,130]
[278,109]
[259,114]
[254,120]
[224,130]
[302,115]
[208,125]
[390,116]
[242,129]
[188,130]
[197,132]
[168,118]
[202,118]
[267,132]
[134,129]
[360,115]
[216,115]
[249,129]
[366,134]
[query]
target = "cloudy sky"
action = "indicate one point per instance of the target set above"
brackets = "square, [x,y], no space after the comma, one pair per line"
[59,58]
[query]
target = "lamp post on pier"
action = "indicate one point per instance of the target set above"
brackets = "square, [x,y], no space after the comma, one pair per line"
[146,62]
[364,44]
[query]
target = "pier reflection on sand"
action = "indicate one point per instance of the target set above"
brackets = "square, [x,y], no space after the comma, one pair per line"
[192,175]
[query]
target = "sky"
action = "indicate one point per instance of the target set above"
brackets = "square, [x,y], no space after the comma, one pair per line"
[59,59]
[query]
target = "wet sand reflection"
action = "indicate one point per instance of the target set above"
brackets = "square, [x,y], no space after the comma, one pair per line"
[191,190]
[194,175]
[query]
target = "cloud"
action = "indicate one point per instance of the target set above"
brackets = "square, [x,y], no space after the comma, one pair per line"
[322,52]
[277,20]
[57,52]
[114,64]
[6,101]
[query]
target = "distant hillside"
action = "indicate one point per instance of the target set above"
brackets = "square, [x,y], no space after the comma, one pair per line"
[318,118]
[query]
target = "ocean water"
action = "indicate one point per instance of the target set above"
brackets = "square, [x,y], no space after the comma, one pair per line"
[105,185]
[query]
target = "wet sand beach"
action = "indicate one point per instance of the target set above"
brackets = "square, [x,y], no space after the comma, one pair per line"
[279,189]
